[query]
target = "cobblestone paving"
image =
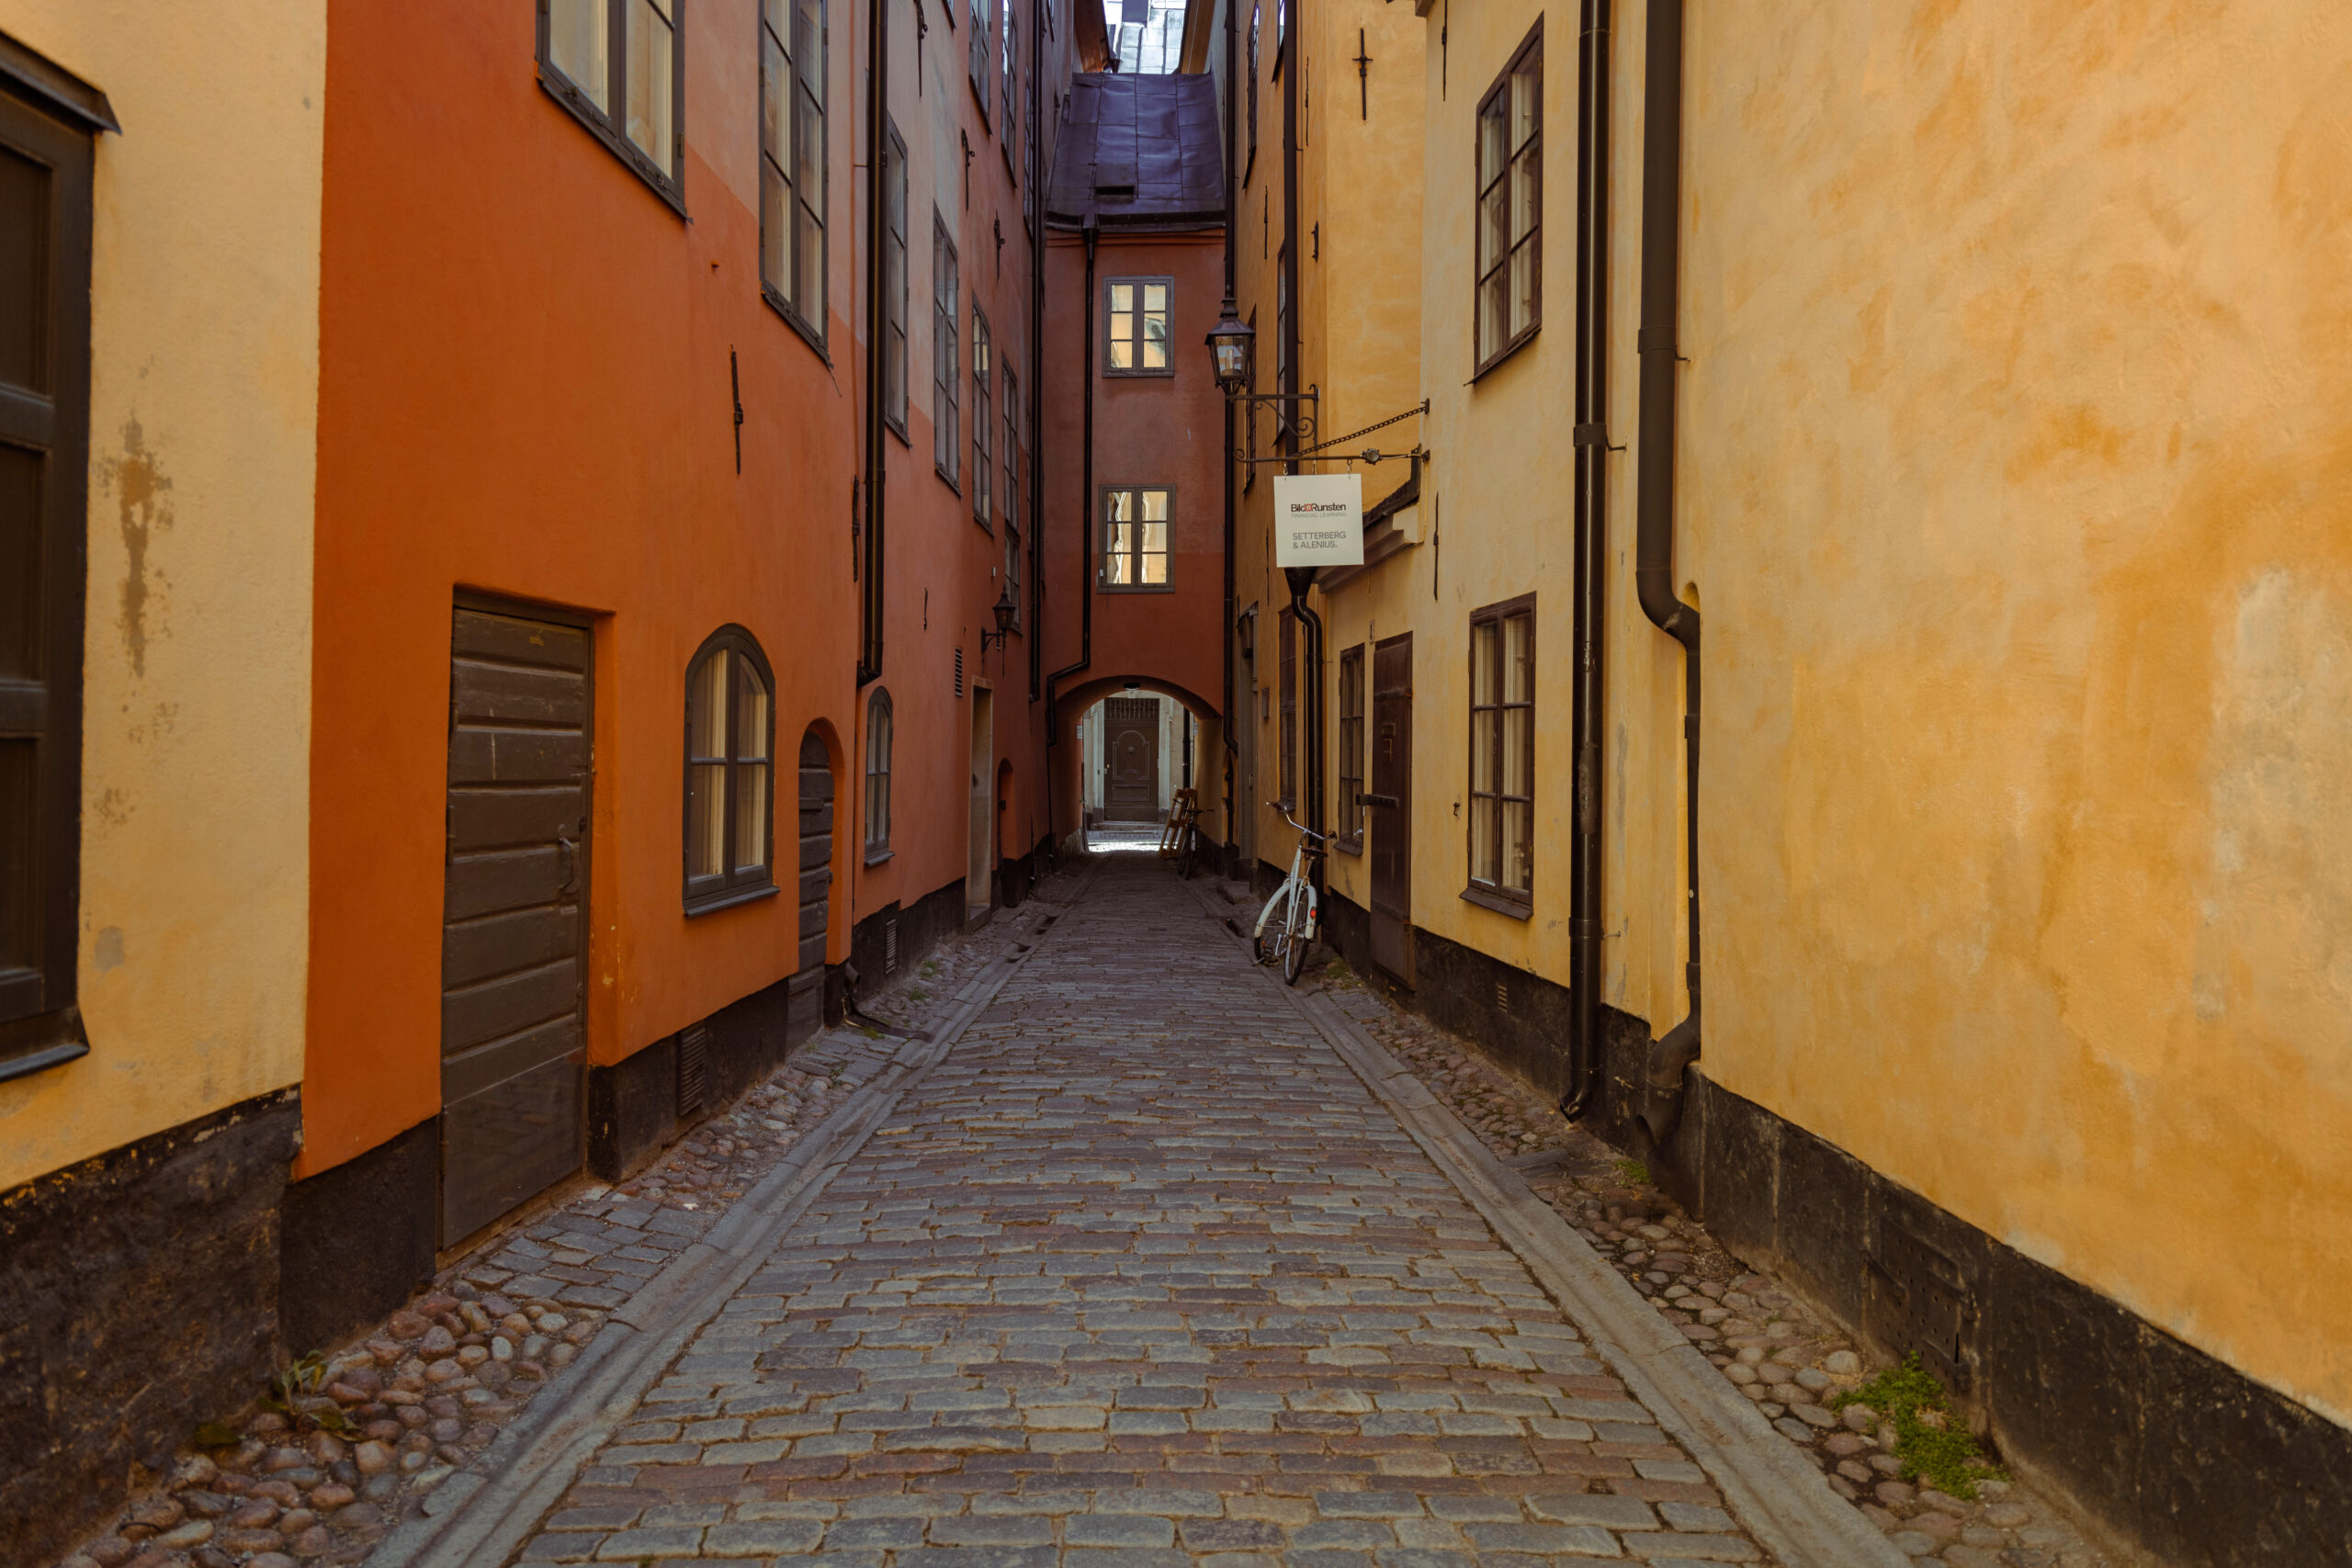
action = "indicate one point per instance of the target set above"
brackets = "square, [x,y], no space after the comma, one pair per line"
[418,1398]
[1781,1351]
[1140,1274]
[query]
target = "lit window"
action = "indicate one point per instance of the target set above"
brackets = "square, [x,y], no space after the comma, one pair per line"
[730,732]
[947,360]
[1134,542]
[981,416]
[792,159]
[1352,744]
[616,65]
[1136,311]
[894,290]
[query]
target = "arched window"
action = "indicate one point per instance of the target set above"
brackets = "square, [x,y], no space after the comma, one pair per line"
[877,774]
[731,735]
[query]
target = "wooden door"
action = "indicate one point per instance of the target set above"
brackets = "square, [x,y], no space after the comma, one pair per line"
[513,944]
[805,1013]
[1388,814]
[1131,757]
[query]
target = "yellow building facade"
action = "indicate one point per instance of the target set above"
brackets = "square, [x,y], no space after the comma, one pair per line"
[1993,418]
[167,167]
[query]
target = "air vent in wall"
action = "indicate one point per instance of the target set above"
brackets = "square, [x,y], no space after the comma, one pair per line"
[959,671]
[890,946]
[694,1069]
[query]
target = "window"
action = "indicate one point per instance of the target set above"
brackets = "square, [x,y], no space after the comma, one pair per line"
[894,286]
[1282,322]
[730,732]
[1351,746]
[1135,541]
[1502,750]
[1286,739]
[1011,80]
[1511,181]
[981,50]
[983,373]
[45,217]
[1012,491]
[877,775]
[616,65]
[1282,32]
[1137,311]
[1252,162]
[1249,470]
[947,363]
[792,161]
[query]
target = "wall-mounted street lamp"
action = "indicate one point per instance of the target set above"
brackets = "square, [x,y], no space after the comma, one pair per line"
[1004,609]
[1232,350]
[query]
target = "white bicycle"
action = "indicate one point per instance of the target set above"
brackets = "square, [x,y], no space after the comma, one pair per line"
[1286,926]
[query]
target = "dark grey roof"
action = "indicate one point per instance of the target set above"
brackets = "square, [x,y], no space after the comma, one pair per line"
[1138,152]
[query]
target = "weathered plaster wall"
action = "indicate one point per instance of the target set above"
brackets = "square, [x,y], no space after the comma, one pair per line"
[204,348]
[2017,469]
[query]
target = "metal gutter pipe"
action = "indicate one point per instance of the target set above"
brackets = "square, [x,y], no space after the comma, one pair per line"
[1036,368]
[877,219]
[1591,552]
[1091,232]
[1654,542]
[1232,216]
[1301,580]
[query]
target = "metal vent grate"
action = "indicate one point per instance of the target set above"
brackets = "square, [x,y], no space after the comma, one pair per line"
[959,671]
[890,946]
[1502,993]
[1924,1302]
[694,1069]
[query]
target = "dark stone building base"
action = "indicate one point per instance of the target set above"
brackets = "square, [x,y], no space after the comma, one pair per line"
[2172,1450]
[639,1107]
[357,1241]
[895,938]
[138,1297]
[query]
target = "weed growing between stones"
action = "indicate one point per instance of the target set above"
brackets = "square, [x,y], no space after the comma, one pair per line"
[1931,1445]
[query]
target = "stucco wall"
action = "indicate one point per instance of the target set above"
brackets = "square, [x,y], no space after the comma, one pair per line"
[196,755]
[2016,464]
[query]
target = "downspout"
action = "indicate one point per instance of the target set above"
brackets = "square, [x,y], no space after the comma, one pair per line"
[877,143]
[1592,548]
[1301,580]
[1091,232]
[1037,370]
[1654,546]
[1232,214]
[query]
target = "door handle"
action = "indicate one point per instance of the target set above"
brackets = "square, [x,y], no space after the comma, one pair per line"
[569,852]
[1364,800]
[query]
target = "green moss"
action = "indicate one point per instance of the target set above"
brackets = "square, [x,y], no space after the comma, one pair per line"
[1633,1173]
[1946,1457]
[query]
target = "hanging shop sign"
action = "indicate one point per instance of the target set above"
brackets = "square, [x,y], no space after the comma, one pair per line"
[1318,519]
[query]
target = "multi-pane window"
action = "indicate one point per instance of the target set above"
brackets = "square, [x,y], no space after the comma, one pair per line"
[947,360]
[1011,503]
[981,50]
[983,373]
[792,159]
[1352,744]
[1281,320]
[1136,311]
[894,286]
[1286,700]
[1510,205]
[1012,78]
[1502,748]
[1134,539]
[46,203]
[1252,161]
[616,65]
[877,774]
[730,731]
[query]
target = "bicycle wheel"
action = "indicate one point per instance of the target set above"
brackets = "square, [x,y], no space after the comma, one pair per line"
[1186,851]
[1295,941]
[1273,935]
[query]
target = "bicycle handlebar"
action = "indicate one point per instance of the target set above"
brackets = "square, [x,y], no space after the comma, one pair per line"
[1303,829]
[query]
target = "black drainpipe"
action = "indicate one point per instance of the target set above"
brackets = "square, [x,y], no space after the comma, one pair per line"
[1232,213]
[1086,517]
[1654,546]
[877,144]
[1036,638]
[1591,438]
[1301,579]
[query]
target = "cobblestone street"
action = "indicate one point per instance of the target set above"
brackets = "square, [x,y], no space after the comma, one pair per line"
[1140,1266]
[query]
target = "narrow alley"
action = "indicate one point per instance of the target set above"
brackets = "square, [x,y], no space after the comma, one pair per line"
[1138,1261]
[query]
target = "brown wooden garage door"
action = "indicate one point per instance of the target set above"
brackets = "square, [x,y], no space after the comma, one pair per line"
[514,932]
